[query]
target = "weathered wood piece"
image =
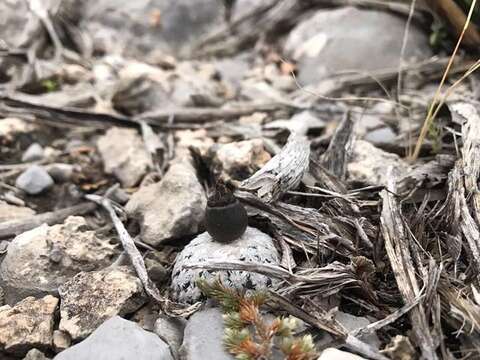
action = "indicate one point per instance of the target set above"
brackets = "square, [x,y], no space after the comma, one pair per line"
[397,245]
[283,172]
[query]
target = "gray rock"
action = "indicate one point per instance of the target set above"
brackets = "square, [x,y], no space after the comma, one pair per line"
[171,208]
[32,265]
[90,298]
[233,69]
[35,354]
[191,79]
[352,323]
[146,316]
[203,337]
[369,164]
[171,331]
[27,324]
[60,172]
[384,135]
[156,271]
[12,212]
[335,354]
[169,27]
[253,246]
[124,155]
[118,339]
[33,153]
[325,44]
[34,180]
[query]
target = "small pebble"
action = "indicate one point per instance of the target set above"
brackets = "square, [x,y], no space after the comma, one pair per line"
[61,340]
[34,180]
[33,153]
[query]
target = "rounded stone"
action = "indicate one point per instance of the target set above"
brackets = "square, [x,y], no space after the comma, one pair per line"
[34,180]
[253,246]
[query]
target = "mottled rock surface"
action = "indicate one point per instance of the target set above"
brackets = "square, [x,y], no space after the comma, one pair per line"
[27,324]
[61,340]
[204,335]
[90,298]
[369,164]
[253,246]
[34,180]
[240,159]
[325,43]
[124,155]
[171,208]
[40,260]
[35,354]
[118,339]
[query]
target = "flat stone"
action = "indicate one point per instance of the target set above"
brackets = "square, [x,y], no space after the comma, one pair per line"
[90,298]
[118,339]
[27,324]
[369,164]
[335,354]
[34,180]
[40,260]
[325,44]
[33,153]
[124,155]
[171,208]
[253,246]
[203,337]
[13,212]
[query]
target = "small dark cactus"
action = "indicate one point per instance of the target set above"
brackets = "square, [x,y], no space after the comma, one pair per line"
[226,218]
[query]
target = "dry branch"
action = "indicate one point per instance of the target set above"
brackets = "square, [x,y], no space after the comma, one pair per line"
[14,227]
[131,250]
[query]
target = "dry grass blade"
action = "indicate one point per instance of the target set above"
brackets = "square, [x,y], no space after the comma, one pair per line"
[428,120]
